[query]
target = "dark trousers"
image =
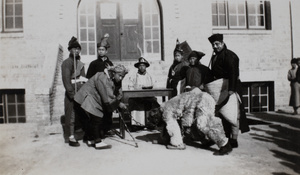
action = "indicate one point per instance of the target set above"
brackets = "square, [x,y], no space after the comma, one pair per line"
[98,126]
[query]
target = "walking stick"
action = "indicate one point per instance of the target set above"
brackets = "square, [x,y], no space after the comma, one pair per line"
[75,72]
[126,128]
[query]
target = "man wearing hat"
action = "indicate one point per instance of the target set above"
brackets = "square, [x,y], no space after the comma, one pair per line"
[102,61]
[99,97]
[225,65]
[73,74]
[195,74]
[140,107]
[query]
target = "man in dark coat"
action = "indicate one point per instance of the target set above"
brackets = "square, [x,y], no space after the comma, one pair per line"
[72,80]
[102,61]
[225,64]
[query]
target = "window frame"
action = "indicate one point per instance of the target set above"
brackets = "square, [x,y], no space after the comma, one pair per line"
[4,16]
[266,14]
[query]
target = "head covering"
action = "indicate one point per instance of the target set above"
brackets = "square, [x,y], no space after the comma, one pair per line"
[104,42]
[119,69]
[142,61]
[178,47]
[73,43]
[215,37]
[294,60]
[196,54]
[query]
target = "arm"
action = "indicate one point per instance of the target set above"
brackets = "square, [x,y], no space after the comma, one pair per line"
[66,78]
[90,71]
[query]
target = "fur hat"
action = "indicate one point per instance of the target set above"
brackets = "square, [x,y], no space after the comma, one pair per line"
[196,54]
[104,42]
[294,60]
[119,69]
[73,43]
[178,47]
[142,61]
[215,37]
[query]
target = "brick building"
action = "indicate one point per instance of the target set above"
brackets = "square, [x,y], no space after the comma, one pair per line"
[34,36]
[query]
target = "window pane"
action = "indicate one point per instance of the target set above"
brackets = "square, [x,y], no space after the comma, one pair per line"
[251,21]
[21,110]
[11,98]
[214,8]
[21,120]
[11,110]
[260,9]
[245,101]
[1,110]
[222,8]
[232,9]
[155,46]
[147,33]
[20,98]
[1,120]
[222,20]
[251,9]
[9,1]
[155,19]
[91,35]
[233,20]
[82,21]
[9,23]
[255,101]
[242,21]
[18,0]
[264,101]
[261,21]
[148,47]
[155,33]
[83,35]
[90,21]
[91,48]
[215,20]
[83,48]
[1,98]
[12,120]
[241,9]
[19,22]
[18,9]
[147,20]
[264,90]
[9,10]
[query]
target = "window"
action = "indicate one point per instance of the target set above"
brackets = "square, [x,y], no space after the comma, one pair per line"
[12,16]
[12,106]
[241,14]
[258,96]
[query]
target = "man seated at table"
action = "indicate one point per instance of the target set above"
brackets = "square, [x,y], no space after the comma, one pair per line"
[140,107]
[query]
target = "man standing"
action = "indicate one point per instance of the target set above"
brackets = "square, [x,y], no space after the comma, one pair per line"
[225,65]
[73,77]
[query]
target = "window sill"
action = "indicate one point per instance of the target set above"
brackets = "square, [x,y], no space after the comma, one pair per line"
[12,35]
[242,32]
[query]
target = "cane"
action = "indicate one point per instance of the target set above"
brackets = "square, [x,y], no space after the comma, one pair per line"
[75,73]
[126,128]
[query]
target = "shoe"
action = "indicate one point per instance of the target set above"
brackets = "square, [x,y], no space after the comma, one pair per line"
[102,145]
[233,143]
[110,133]
[179,147]
[224,150]
[74,143]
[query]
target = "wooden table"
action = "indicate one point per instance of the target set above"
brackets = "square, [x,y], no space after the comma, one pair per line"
[156,92]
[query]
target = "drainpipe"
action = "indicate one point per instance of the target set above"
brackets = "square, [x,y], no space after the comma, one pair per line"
[77,16]
[291,26]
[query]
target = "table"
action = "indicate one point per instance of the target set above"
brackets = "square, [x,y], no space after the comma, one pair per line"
[155,92]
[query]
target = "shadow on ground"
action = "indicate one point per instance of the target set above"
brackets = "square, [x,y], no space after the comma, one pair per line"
[281,134]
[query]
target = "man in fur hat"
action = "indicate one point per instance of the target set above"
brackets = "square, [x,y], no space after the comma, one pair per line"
[225,65]
[72,77]
[102,61]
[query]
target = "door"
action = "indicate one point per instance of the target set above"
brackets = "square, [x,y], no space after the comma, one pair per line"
[123,26]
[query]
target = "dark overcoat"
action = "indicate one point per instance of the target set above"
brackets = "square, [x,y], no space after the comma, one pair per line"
[97,65]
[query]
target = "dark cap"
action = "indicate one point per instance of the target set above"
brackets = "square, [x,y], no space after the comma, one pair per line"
[142,61]
[196,54]
[215,37]
[73,43]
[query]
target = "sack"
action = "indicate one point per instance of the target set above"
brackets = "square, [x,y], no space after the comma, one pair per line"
[218,89]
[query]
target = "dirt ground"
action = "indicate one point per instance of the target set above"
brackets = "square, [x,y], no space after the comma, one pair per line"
[271,147]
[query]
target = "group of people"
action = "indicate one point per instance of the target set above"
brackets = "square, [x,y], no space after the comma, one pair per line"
[294,78]
[91,99]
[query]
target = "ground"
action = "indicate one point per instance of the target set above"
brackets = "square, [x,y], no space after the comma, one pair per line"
[271,147]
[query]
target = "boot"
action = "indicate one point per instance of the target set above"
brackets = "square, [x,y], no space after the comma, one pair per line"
[224,149]
[73,142]
[102,145]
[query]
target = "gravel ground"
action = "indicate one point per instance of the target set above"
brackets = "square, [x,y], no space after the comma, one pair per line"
[271,147]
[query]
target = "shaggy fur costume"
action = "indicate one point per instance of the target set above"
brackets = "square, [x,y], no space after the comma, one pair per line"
[195,108]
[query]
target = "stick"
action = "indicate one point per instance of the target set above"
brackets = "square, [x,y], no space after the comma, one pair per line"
[75,72]
[126,128]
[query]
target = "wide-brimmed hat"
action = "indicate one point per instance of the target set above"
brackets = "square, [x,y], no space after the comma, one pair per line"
[196,54]
[73,43]
[141,60]
[104,42]
[215,37]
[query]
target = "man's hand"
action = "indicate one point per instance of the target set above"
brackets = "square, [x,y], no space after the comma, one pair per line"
[122,105]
